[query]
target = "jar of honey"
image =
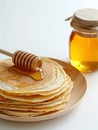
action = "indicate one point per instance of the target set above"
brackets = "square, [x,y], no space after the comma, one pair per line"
[83,41]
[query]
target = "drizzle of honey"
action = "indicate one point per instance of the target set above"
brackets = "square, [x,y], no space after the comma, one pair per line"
[36,75]
[83,52]
[8,73]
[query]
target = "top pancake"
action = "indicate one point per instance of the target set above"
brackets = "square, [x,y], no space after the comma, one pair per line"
[15,83]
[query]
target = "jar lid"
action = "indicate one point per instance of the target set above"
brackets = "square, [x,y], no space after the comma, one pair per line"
[87,16]
[85,20]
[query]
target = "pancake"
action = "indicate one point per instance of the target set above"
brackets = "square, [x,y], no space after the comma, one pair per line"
[11,101]
[20,93]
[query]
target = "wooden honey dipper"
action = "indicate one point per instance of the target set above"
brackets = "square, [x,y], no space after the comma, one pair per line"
[25,61]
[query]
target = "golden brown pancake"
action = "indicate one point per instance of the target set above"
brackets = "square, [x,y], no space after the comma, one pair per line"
[20,92]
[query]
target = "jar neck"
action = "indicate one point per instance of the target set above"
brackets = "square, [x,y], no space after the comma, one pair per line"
[86,34]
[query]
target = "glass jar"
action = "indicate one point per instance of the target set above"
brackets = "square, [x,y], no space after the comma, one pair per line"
[83,41]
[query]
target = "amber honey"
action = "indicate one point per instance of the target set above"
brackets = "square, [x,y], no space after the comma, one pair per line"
[83,52]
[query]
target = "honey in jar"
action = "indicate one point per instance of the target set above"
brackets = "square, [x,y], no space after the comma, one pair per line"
[83,42]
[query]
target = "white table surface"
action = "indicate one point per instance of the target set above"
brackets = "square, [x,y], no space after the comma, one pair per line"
[38,26]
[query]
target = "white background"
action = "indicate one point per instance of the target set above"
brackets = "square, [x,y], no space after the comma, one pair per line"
[38,26]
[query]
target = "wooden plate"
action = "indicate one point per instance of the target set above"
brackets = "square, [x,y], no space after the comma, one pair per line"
[77,94]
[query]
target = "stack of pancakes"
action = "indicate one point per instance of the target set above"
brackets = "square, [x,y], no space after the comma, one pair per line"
[22,96]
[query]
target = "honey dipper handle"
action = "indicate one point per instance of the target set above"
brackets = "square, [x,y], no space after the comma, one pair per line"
[6,53]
